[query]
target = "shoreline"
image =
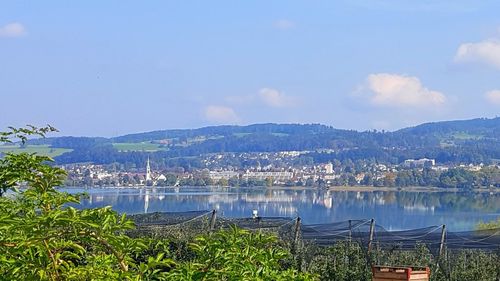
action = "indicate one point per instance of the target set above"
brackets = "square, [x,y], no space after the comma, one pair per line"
[409,189]
[332,188]
[387,188]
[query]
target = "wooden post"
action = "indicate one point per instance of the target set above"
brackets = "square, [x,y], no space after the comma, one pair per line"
[350,231]
[441,245]
[296,232]
[439,259]
[212,220]
[296,236]
[372,229]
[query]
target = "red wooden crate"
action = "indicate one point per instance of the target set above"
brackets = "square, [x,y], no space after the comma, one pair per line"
[388,273]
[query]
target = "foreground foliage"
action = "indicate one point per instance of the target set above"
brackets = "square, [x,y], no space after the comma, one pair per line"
[43,237]
[237,254]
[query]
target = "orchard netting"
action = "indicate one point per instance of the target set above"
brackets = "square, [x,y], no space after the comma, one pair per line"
[365,232]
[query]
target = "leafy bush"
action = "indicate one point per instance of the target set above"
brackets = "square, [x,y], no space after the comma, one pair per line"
[488,225]
[237,254]
[42,238]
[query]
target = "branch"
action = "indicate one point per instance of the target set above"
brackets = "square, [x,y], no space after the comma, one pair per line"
[119,257]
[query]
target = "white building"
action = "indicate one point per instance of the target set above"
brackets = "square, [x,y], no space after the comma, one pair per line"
[276,176]
[420,163]
[217,175]
[329,168]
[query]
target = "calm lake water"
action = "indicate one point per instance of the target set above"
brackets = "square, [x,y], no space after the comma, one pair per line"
[394,210]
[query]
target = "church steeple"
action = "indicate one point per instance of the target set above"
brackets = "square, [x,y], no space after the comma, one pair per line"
[148,172]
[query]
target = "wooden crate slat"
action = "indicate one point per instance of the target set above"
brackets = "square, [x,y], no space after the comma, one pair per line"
[388,273]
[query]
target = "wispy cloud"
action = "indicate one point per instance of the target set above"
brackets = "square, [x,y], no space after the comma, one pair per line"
[493,97]
[265,96]
[14,29]
[284,24]
[220,114]
[275,98]
[486,52]
[394,90]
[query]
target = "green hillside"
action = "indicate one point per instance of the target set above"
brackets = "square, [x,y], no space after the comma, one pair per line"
[39,149]
[462,141]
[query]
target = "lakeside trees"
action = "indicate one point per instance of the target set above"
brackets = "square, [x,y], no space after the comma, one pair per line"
[459,178]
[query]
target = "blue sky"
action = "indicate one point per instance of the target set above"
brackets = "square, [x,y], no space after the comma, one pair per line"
[113,67]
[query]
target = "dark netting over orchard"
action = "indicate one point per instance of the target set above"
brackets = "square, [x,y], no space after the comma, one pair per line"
[359,231]
[174,225]
[365,232]
[166,218]
[188,224]
[263,223]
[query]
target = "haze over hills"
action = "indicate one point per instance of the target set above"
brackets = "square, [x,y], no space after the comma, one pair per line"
[463,141]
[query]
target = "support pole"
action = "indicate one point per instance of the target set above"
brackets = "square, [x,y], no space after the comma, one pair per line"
[372,229]
[212,220]
[439,260]
[296,237]
[296,232]
[441,244]
[350,231]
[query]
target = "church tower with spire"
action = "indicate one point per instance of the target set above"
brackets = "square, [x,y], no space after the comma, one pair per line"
[148,172]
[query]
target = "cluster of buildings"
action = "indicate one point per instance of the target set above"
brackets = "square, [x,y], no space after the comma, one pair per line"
[271,168]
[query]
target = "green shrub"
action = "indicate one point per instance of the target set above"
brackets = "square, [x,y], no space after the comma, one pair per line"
[42,238]
[237,254]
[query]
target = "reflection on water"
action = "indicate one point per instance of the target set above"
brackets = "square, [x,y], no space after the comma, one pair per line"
[391,209]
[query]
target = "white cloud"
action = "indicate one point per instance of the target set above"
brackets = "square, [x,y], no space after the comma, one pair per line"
[493,96]
[395,90]
[487,52]
[275,98]
[14,29]
[221,114]
[284,24]
[265,96]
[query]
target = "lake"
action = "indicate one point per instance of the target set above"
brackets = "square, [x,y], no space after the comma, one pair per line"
[395,210]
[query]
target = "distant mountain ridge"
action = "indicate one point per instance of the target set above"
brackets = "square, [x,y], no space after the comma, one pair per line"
[475,140]
[225,130]
[479,126]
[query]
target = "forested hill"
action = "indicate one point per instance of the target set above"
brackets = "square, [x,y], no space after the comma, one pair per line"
[472,129]
[464,141]
[226,131]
